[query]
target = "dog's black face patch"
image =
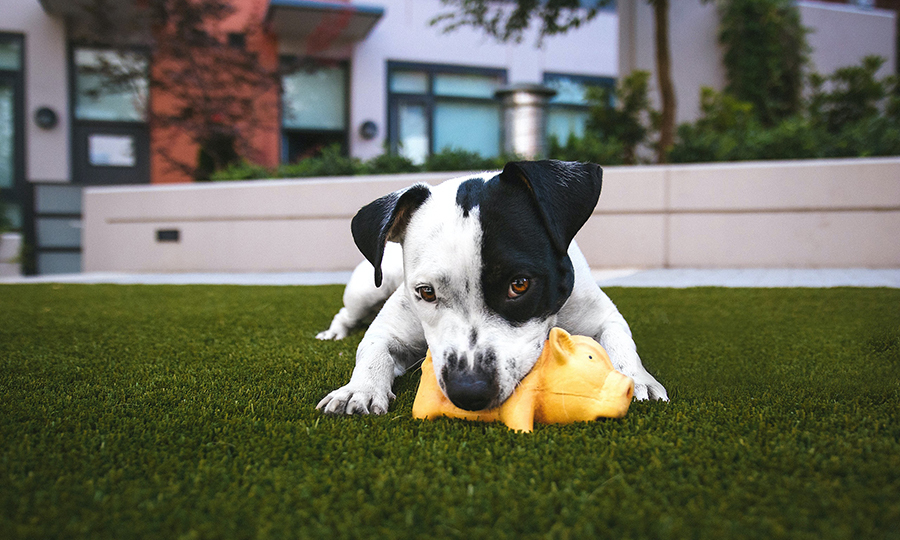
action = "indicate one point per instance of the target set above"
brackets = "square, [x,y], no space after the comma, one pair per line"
[516,244]
[468,195]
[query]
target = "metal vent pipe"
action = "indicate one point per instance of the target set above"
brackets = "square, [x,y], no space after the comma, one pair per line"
[525,119]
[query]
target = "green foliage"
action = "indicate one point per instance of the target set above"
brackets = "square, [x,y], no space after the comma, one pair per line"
[389,163]
[850,95]
[847,114]
[590,148]
[765,51]
[5,222]
[453,159]
[620,122]
[728,130]
[508,21]
[332,162]
[193,417]
[217,151]
[242,170]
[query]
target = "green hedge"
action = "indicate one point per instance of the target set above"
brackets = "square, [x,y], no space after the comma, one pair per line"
[847,114]
[850,113]
[332,162]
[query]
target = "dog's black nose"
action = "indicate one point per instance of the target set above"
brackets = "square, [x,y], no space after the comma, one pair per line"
[469,390]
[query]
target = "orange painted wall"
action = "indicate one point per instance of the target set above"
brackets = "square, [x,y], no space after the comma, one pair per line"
[261,132]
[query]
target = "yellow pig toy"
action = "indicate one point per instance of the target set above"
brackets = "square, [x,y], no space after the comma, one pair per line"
[572,381]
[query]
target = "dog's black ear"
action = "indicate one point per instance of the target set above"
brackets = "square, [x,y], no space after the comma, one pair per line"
[566,193]
[385,219]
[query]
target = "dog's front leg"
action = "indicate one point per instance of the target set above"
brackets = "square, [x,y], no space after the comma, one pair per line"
[615,337]
[590,312]
[392,343]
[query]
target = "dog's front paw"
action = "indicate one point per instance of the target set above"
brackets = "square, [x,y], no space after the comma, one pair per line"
[332,334]
[340,327]
[354,399]
[646,387]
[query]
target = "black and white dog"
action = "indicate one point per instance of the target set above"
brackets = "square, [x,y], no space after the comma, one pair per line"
[487,267]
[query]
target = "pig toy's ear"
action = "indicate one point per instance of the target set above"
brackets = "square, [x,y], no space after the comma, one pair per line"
[561,345]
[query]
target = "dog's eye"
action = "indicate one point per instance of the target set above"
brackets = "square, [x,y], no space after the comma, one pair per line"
[426,292]
[518,287]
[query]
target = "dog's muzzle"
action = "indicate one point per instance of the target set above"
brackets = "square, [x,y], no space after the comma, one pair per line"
[472,389]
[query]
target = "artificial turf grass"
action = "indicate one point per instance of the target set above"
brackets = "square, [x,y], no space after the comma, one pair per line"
[153,411]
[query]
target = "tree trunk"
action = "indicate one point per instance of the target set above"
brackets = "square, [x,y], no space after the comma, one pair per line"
[664,78]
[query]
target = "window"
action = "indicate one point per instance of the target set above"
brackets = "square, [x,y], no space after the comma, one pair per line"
[12,156]
[313,109]
[110,85]
[434,108]
[110,131]
[10,53]
[567,112]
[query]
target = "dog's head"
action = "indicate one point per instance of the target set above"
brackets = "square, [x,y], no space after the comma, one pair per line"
[485,267]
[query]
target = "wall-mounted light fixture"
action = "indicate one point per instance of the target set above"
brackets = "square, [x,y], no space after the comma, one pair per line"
[46,118]
[368,130]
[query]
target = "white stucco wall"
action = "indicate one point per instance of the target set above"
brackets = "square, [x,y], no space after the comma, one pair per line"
[842,35]
[46,85]
[790,214]
[404,34]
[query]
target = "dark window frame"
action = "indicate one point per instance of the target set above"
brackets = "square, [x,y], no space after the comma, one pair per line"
[429,98]
[81,129]
[291,63]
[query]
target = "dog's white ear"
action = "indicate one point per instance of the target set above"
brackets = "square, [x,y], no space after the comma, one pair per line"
[384,220]
[566,193]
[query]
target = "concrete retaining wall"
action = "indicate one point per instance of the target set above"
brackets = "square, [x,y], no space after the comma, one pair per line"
[797,214]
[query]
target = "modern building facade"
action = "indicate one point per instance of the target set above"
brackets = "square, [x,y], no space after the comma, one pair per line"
[369,77]
[79,109]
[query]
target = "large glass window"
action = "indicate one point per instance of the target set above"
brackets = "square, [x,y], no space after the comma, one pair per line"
[434,108]
[12,177]
[314,108]
[110,85]
[10,54]
[7,135]
[567,112]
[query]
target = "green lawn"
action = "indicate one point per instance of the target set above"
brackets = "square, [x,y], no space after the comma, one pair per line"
[188,412]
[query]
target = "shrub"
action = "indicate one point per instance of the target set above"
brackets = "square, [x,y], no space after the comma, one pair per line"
[851,94]
[5,222]
[623,116]
[765,51]
[331,162]
[454,159]
[588,148]
[243,170]
[388,163]
[620,123]
[847,114]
